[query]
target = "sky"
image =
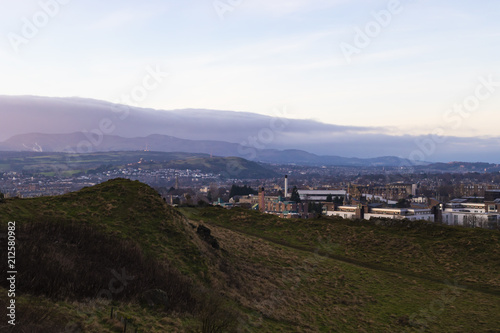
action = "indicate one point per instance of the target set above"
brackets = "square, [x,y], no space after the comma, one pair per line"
[401,67]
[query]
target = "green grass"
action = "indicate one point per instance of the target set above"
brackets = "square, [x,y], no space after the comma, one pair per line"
[51,164]
[391,276]
[324,275]
[127,209]
[419,249]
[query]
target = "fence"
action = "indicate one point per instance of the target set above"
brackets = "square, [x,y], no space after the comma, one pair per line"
[127,323]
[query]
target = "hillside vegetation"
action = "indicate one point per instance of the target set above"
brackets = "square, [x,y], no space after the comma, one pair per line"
[70,164]
[118,247]
[415,248]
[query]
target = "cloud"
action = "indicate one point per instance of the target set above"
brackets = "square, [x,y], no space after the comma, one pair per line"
[126,16]
[69,115]
[286,7]
[391,55]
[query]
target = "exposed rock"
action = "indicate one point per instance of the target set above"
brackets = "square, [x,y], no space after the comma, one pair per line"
[205,234]
[155,298]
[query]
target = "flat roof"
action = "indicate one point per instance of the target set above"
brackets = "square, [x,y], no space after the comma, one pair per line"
[323,192]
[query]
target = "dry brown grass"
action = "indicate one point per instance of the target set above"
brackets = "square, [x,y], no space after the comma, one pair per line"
[279,283]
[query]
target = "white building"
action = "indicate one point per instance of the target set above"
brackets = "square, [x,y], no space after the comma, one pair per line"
[420,200]
[346,212]
[457,212]
[320,195]
[351,212]
[462,213]
[400,213]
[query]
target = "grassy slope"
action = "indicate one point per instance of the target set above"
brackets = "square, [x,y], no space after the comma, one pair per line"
[413,248]
[344,274]
[120,212]
[284,276]
[18,161]
[130,210]
[51,163]
[228,167]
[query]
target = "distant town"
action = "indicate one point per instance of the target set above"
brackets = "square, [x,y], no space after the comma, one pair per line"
[470,199]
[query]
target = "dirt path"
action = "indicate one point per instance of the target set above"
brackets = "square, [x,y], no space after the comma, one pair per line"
[368,265]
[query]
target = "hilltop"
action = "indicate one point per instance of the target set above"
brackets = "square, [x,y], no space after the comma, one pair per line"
[51,143]
[69,164]
[182,267]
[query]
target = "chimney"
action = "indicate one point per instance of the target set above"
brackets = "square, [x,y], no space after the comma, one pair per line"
[262,201]
[286,186]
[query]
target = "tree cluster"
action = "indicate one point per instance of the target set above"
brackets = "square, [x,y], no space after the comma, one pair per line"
[295,195]
[241,190]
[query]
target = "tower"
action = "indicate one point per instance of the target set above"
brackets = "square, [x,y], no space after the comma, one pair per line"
[262,201]
[286,186]
[346,197]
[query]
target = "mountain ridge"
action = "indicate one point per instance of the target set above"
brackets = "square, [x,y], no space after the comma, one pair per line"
[86,143]
[280,129]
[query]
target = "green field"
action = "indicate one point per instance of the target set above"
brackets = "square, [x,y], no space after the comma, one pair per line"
[269,274]
[66,165]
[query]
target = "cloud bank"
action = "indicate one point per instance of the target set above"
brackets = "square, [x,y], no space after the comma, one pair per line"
[30,114]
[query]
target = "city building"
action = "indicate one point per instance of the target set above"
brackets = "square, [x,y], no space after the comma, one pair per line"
[321,195]
[368,212]
[461,212]
[281,207]
[393,191]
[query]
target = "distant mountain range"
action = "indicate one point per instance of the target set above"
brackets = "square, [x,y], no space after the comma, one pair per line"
[85,143]
[280,138]
[460,167]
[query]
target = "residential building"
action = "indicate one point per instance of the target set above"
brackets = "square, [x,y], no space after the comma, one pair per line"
[367,212]
[321,195]
[461,212]
[281,207]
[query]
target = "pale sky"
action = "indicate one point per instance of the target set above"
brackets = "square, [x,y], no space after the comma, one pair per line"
[257,55]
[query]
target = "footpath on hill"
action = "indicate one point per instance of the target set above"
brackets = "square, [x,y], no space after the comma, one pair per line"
[487,289]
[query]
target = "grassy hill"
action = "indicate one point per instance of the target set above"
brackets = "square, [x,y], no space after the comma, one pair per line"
[69,164]
[359,276]
[119,246]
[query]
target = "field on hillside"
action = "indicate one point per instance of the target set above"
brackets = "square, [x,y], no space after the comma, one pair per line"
[64,164]
[384,275]
[249,273]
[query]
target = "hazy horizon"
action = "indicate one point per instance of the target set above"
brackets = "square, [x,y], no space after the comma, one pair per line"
[395,64]
[247,129]
[367,78]
[250,165]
